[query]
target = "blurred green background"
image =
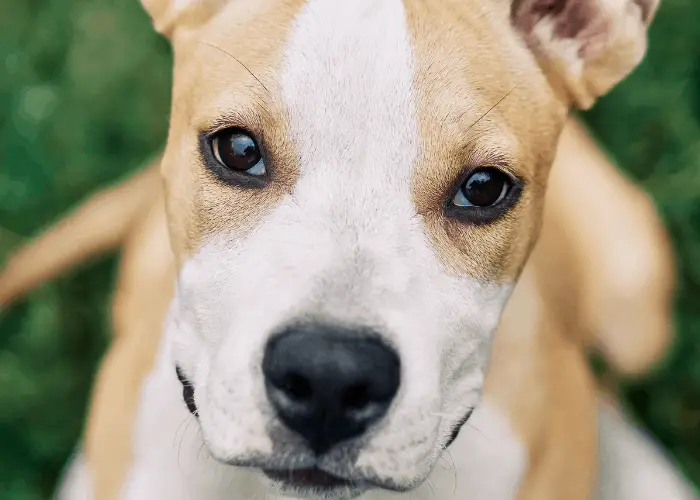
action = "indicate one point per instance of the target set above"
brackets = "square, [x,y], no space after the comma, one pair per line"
[84,99]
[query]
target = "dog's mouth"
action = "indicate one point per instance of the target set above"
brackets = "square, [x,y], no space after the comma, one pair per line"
[312,478]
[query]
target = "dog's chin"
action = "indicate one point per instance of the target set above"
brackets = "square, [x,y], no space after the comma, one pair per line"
[313,483]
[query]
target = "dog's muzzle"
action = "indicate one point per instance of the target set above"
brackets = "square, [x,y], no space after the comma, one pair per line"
[328,385]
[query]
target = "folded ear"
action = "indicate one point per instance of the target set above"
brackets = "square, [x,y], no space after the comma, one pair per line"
[166,14]
[585,46]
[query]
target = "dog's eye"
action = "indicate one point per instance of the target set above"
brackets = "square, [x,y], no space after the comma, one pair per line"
[238,151]
[485,187]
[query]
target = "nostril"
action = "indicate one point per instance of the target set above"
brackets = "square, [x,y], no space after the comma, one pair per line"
[297,387]
[356,397]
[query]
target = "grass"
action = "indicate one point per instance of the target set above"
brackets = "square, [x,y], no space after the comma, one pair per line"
[85,99]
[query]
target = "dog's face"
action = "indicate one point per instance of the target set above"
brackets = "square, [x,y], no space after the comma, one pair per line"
[353,189]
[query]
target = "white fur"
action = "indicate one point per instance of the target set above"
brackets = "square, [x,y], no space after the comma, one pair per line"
[346,246]
[171,460]
[632,466]
[76,483]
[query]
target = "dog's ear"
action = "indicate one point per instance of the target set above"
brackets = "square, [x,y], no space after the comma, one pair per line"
[585,46]
[167,14]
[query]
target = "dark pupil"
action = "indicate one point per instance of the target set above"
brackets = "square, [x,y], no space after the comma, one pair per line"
[239,152]
[483,188]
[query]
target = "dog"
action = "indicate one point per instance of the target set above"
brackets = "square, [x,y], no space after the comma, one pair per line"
[358,269]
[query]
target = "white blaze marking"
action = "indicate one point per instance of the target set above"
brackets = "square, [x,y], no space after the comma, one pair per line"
[347,82]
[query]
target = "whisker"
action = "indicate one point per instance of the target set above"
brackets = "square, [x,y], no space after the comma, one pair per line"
[445,463]
[478,430]
[493,107]
[454,471]
[238,61]
[179,448]
[202,446]
[181,440]
[179,428]
[431,485]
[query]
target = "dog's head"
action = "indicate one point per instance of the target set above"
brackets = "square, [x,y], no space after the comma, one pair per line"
[353,188]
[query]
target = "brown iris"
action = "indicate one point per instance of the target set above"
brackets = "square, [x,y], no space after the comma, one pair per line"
[485,187]
[238,151]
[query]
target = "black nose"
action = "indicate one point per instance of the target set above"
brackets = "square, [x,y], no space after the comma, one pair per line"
[328,383]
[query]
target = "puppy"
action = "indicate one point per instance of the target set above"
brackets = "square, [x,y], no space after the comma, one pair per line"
[351,193]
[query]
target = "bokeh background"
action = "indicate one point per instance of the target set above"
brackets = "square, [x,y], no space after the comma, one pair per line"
[84,100]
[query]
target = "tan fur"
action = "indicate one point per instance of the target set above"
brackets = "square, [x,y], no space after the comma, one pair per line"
[144,290]
[616,294]
[518,133]
[221,59]
[541,379]
[580,290]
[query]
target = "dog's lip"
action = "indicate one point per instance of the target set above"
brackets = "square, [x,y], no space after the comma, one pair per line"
[458,427]
[312,477]
[187,392]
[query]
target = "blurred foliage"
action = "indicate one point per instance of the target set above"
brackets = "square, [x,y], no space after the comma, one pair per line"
[84,96]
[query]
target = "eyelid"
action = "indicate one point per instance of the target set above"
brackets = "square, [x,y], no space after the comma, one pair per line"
[249,123]
[501,164]
[485,152]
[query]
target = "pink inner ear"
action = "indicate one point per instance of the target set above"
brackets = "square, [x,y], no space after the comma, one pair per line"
[570,17]
[573,19]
